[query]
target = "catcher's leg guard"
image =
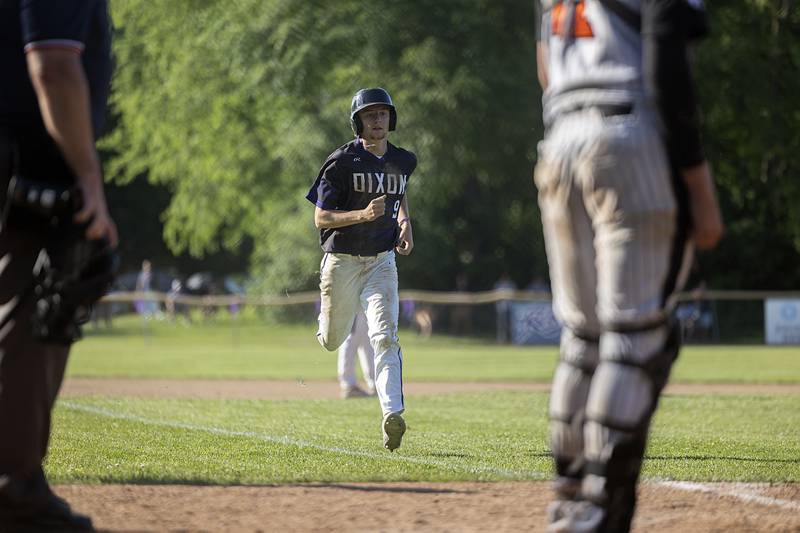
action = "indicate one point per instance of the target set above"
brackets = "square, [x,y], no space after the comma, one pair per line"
[579,357]
[633,370]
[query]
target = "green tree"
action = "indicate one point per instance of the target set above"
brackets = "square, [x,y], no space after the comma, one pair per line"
[750,92]
[234,105]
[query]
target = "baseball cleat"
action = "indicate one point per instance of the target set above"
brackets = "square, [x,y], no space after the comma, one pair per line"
[574,517]
[393,429]
[559,516]
[354,392]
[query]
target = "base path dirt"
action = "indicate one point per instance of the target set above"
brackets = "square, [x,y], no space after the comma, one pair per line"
[423,507]
[315,390]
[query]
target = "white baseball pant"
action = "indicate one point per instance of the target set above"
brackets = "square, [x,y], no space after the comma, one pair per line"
[357,345]
[349,283]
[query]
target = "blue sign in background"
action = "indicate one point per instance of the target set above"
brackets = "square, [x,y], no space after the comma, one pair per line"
[534,323]
[782,321]
[789,312]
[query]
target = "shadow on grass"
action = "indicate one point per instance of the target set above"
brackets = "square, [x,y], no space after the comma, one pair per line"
[374,488]
[369,486]
[125,331]
[462,455]
[718,458]
[450,454]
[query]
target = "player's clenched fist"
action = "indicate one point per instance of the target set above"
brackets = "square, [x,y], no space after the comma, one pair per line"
[375,209]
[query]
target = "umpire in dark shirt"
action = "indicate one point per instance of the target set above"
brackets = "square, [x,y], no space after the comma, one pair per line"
[55,66]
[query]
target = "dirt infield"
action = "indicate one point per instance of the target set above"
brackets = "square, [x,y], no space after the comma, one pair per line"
[425,507]
[454,507]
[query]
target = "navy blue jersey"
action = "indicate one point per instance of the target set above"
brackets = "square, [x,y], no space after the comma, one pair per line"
[348,181]
[79,25]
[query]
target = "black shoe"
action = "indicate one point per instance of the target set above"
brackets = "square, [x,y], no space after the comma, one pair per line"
[53,516]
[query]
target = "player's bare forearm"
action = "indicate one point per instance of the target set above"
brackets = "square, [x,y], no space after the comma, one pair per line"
[541,64]
[707,224]
[63,94]
[330,219]
[405,242]
[325,219]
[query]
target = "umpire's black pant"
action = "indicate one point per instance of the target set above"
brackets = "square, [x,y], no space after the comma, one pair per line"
[31,371]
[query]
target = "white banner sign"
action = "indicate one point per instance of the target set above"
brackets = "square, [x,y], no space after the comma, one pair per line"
[782,321]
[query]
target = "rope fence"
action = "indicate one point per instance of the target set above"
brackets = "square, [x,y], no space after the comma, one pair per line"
[420,296]
[519,316]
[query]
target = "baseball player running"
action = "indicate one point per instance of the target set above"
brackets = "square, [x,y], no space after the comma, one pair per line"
[363,218]
[356,345]
[620,161]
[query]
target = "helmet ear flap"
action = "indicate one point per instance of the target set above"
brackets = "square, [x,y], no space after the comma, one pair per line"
[392,119]
[356,125]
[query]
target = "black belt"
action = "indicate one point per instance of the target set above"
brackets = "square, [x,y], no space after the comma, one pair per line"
[358,255]
[614,110]
[607,110]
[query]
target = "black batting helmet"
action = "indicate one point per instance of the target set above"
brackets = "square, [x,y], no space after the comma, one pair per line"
[369,97]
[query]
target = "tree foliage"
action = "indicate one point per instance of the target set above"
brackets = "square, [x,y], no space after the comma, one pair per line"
[750,90]
[234,105]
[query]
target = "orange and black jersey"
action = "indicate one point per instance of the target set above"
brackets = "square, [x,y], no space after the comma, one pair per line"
[645,47]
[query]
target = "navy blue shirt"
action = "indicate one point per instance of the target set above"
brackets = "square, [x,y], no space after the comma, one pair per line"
[79,25]
[349,180]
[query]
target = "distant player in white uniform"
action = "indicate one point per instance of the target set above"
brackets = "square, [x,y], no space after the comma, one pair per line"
[624,191]
[357,346]
[363,218]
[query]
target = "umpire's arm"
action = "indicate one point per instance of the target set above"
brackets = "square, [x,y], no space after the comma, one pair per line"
[62,91]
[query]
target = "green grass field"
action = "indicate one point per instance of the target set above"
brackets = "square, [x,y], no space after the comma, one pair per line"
[475,436]
[253,351]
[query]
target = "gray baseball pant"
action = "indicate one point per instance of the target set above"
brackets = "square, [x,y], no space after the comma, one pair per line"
[617,252]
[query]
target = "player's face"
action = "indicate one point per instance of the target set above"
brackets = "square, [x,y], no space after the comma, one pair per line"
[375,120]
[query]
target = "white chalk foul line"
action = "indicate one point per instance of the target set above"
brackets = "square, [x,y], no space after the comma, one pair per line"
[288,441]
[738,491]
